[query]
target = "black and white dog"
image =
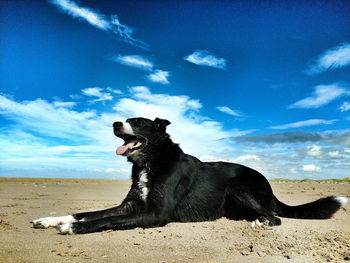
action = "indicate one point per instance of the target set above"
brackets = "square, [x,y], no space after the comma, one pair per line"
[171,186]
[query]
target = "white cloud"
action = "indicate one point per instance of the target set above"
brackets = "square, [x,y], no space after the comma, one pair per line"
[100,21]
[322,95]
[135,61]
[328,153]
[97,92]
[47,119]
[140,62]
[70,139]
[115,91]
[82,13]
[64,104]
[205,58]
[182,103]
[229,111]
[247,157]
[344,107]
[311,168]
[49,140]
[314,150]
[339,155]
[159,76]
[305,123]
[75,96]
[331,59]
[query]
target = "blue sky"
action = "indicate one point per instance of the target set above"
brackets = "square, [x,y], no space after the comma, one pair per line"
[262,83]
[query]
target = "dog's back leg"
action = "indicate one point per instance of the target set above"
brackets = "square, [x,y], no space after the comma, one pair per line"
[251,201]
[248,207]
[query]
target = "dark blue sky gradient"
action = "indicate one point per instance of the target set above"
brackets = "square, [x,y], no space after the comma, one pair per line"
[268,45]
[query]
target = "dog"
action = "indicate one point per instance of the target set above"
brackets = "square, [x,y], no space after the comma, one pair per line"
[171,186]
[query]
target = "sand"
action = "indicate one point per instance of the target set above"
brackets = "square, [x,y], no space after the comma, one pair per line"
[24,199]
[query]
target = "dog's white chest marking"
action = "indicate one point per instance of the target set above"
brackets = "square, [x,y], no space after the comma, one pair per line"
[143,184]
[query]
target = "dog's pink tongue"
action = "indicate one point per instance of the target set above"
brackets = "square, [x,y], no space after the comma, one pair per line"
[122,149]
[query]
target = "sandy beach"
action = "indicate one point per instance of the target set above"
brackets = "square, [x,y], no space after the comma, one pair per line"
[24,199]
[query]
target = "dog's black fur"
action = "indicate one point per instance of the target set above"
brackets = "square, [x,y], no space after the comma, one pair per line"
[181,188]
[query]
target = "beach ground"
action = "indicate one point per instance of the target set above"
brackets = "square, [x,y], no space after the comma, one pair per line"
[25,199]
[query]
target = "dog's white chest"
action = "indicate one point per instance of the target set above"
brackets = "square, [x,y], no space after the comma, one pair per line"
[143,179]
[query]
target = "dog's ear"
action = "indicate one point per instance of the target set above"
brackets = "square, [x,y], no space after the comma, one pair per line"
[161,124]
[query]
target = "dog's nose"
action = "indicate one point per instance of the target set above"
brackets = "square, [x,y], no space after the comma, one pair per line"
[117,125]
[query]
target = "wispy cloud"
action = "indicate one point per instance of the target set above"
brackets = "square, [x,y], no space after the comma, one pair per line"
[344,107]
[98,93]
[100,21]
[305,123]
[65,104]
[333,58]
[244,158]
[141,62]
[159,76]
[115,91]
[322,95]
[205,58]
[229,111]
[125,33]
[135,61]
[83,13]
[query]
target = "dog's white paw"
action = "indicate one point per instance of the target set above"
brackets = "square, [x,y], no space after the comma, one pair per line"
[257,223]
[65,229]
[46,222]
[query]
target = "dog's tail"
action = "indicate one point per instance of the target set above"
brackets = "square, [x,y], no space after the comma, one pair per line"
[323,208]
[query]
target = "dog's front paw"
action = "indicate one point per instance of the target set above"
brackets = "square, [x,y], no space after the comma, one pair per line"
[66,229]
[52,221]
[44,222]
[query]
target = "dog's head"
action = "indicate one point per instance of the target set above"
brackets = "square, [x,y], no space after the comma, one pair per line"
[139,135]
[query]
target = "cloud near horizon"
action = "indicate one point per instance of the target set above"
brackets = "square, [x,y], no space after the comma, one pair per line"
[311,168]
[50,135]
[337,137]
[205,58]
[57,138]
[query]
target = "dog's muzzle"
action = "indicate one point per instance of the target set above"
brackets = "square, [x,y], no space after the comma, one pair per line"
[132,142]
